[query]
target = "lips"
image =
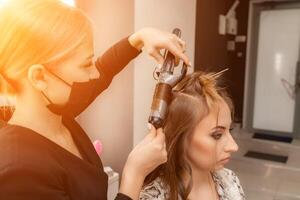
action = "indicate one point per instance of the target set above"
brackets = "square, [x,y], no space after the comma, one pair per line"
[225,160]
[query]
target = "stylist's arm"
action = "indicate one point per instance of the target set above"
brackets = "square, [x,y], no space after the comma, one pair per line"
[144,158]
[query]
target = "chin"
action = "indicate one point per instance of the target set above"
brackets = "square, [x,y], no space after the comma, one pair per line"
[219,167]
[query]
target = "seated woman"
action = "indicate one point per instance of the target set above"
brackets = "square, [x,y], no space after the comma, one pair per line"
[199,144]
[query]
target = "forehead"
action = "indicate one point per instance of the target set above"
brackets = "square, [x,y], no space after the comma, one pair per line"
[86,49]
[81,55]
[220,115]
[224,114]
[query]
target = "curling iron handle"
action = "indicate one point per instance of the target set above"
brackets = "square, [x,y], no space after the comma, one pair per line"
[169,63]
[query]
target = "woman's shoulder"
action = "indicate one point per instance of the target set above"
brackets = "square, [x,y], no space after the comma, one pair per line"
[228,184]
[25,168]
[20,148]
[226,175]
[156,190]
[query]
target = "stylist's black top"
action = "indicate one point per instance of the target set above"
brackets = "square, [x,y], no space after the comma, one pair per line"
[33,167]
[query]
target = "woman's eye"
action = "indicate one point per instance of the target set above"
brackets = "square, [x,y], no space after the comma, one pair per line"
[86,66]
[217,136]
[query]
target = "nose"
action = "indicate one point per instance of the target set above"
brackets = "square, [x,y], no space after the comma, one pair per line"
[231,145]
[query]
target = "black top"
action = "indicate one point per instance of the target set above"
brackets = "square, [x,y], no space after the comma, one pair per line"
[33,167]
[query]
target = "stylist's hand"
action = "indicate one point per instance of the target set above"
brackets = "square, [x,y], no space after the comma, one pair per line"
[144,158]
[148,154]
[153,40]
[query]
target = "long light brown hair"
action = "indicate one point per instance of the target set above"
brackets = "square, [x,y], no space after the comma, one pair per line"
[193,98]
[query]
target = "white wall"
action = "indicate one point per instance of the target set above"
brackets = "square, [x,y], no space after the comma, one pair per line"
[164,15]
[110,117]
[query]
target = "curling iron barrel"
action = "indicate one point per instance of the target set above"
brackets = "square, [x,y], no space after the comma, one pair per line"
[163,91]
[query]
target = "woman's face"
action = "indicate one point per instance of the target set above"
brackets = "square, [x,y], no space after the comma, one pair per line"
[78,68]
[211,144]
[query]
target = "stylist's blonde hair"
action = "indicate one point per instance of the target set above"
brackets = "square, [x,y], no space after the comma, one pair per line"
[36,32]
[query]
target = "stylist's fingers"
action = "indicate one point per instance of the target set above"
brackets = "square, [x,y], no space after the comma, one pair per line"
[161,145]
[182,44]
[160,136]
[179,46]
[178,53]
[155,53]
[152,134]
[179,43]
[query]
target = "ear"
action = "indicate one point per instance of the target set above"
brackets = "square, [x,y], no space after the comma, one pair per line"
[36,76]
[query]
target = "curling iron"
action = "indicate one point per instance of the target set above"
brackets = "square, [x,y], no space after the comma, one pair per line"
[163,91]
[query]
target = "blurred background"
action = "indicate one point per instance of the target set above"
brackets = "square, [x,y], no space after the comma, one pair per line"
[258,40]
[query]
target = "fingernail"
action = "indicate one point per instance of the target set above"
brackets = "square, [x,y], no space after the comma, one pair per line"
[149,126]
[190,64]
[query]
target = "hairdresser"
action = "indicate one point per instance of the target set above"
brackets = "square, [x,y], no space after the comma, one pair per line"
[46,62]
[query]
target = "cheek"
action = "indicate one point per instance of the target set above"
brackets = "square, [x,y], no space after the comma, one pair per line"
[59,92]
[202,152]
[220,153]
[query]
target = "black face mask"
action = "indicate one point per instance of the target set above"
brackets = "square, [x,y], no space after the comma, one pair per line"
[82,94]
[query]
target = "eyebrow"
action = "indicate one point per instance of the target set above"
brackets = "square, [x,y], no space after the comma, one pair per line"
[219,127]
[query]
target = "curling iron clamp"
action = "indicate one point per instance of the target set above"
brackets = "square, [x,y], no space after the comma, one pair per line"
[166,80]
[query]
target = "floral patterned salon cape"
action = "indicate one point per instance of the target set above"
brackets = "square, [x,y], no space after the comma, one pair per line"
[227,184]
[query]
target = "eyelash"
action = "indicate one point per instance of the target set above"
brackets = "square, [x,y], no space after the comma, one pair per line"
[86,66]
[217,135]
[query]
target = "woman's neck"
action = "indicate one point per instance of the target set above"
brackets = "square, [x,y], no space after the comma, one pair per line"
[203,185]
[200,178]
[31,112]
